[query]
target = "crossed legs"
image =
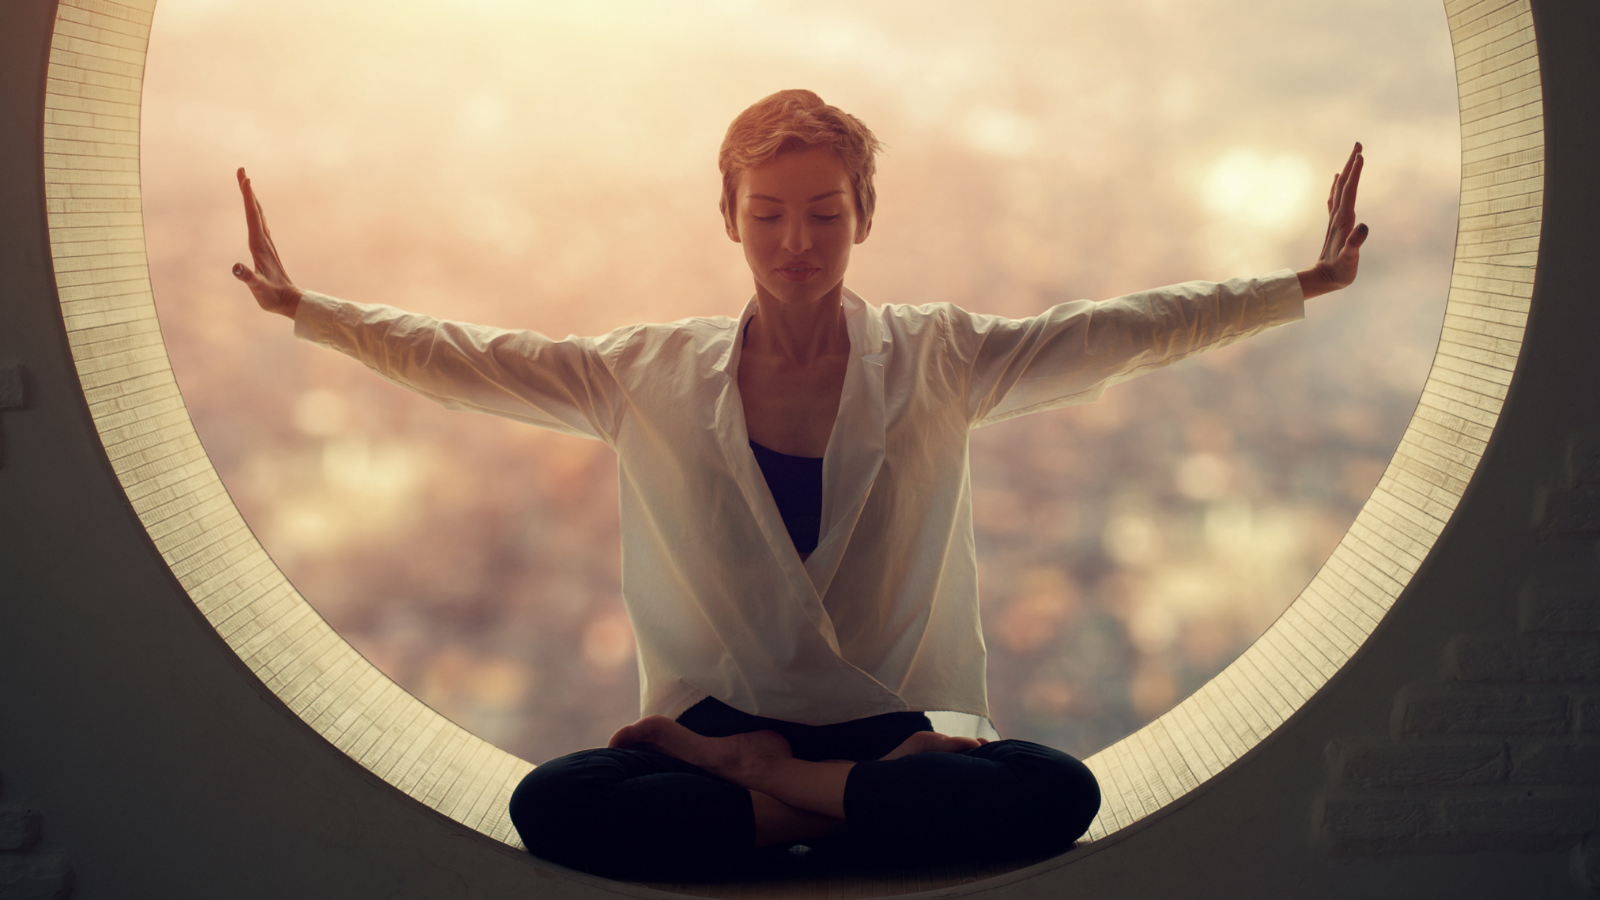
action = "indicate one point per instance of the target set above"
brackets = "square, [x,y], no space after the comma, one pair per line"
[793,799]
[664,802]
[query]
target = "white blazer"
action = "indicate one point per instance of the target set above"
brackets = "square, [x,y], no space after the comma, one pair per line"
[883,616]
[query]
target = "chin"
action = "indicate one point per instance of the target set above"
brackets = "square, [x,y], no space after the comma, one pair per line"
[802,294]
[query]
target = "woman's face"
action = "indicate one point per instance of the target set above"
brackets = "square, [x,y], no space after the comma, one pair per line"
[796,217]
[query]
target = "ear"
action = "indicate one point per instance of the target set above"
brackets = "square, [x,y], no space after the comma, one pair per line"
[728,224]
[862,232]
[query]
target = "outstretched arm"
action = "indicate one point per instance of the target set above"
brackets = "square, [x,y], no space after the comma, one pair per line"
[1341,248]
[1073,351]
[267,281]
[562,385]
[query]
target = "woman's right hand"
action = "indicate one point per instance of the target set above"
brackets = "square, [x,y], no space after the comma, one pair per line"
[267,281]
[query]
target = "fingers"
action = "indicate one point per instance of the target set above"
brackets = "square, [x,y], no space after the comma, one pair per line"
[1342,203]
[258,286]
[1344,174]
[261,214]
[1333,205]
[1341,243]
[259,289]
[257,237]
[263,251]
[255,217]
[1347,181]
[252,212]
[1352,182]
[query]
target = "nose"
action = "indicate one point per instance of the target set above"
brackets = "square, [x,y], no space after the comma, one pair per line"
[797,235]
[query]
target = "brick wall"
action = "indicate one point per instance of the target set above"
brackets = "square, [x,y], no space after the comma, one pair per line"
[1501,753]
[27,870]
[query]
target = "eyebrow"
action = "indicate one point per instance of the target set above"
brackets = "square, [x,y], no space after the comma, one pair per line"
[776,200]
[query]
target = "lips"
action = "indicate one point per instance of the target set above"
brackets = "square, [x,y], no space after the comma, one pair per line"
[798,273]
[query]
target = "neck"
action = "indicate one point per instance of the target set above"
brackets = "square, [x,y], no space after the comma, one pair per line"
[798,333]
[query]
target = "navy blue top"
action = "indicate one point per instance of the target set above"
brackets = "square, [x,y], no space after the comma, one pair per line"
[857,739]
[796,485]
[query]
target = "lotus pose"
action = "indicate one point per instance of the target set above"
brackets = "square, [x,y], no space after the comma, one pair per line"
[798,556]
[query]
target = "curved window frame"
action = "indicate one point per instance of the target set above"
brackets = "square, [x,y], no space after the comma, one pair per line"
[91,174]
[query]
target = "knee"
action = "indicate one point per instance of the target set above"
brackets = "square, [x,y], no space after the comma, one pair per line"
[531,807]
[1078,793]
[1060,794]
[551,801]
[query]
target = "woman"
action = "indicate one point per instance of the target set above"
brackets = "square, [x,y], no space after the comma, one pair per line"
[798,558]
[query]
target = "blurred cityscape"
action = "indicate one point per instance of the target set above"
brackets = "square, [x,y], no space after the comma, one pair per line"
[552,166]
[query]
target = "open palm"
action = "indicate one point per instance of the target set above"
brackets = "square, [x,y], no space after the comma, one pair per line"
[1341,247]
[267,281]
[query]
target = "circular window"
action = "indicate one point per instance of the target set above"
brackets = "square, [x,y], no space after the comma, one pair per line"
[98,248]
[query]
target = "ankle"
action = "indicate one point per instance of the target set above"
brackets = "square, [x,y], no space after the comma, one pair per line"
[750,770]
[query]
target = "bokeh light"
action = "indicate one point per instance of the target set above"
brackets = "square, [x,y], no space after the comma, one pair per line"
[552,166]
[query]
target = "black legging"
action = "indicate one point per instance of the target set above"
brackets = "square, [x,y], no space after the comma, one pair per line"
[643,815]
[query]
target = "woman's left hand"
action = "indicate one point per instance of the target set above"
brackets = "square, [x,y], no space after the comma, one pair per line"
[1341,248]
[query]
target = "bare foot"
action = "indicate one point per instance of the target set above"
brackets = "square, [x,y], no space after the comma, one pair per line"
[934,742]
[741,758]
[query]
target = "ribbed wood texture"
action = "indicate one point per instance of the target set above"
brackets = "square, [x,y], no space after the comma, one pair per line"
[97,243]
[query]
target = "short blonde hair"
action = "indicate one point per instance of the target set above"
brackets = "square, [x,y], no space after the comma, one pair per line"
[798,120]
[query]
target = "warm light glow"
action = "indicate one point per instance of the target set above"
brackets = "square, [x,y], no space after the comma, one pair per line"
[551,166]
[1270,193]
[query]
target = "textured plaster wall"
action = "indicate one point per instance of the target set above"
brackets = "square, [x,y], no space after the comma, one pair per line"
[1452,757]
